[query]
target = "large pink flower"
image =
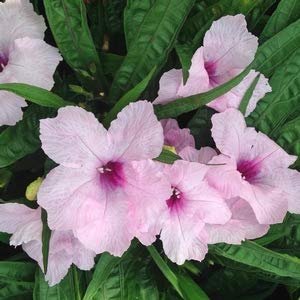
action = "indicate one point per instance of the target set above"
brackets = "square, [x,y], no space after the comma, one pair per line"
[24,56]
[177,137]
[25,225]
[106,189]
[228,48]
[254,168]
[243,223]
[189,207]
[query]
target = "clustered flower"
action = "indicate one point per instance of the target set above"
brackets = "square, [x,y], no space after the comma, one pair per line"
[107,188]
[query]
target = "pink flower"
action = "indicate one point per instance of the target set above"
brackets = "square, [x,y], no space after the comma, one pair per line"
[243,223]
[228,48]
[106,188]
[24,56]
[189,207]
[25,225]
[175,136]
[254,168]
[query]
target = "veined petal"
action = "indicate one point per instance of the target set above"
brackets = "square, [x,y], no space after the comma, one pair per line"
[229,45]
[169,84]
[203,155]
[137,134]
[75,138]
[11,108]
[26,24]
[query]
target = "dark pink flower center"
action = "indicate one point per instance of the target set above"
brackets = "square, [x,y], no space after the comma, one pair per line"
[3,61]
[211,68]
[175,202]
[112,175]
[249,169]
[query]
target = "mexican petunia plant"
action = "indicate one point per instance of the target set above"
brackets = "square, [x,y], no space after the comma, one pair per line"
[149,149]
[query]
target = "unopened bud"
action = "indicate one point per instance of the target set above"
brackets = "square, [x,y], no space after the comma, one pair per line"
[33,188]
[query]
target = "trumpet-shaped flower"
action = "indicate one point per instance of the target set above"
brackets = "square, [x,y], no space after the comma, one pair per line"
[253,167]
[175,136]
[189,207]
[228,48]
[24,56]
[25,225]
[243,223]
[106,188]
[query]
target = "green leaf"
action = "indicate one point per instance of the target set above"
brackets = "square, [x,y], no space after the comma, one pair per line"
[20,272]
[111,62]
[283,103]
[46,234]
[102,271]
[254,255]
[131,278]
[277,49]
[247,96]
[134,15]
[286,13]
[167,157]
[22,139]
[183,284]
[70,288]
[68,23]
[184,105]
[34,94]
[129,97]
[289,137]
[153,41]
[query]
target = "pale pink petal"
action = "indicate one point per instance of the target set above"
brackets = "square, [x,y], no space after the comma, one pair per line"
[147,191]
[198,80]
[230,133]
[224,177]
[23,222]
[82,257]
[34,250]
[169,84]
[242,225]
[63,192]
[175,136]
[11,108]
[233,98]
[107,227]
[137,134]
[269,204]
[204,155]
[228,45]
[26,24]
[74,138]
[60,256]
[184,239]
[32,61]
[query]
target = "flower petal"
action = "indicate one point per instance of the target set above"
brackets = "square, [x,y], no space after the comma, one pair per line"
[168,86]
[198,80]
[32,61]
[203,156]
[147,191]
[229,45]
[74,138]
[11,108]
[137,133]
[26,24]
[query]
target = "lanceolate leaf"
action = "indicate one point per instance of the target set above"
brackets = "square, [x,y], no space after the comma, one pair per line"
[68,22]
[22,139]
[277,49]
[71,287]
[153,41]
[251,254]
[283,103]
[134,15]
[184,105]
[46,234]
[34,94]
[287,12]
